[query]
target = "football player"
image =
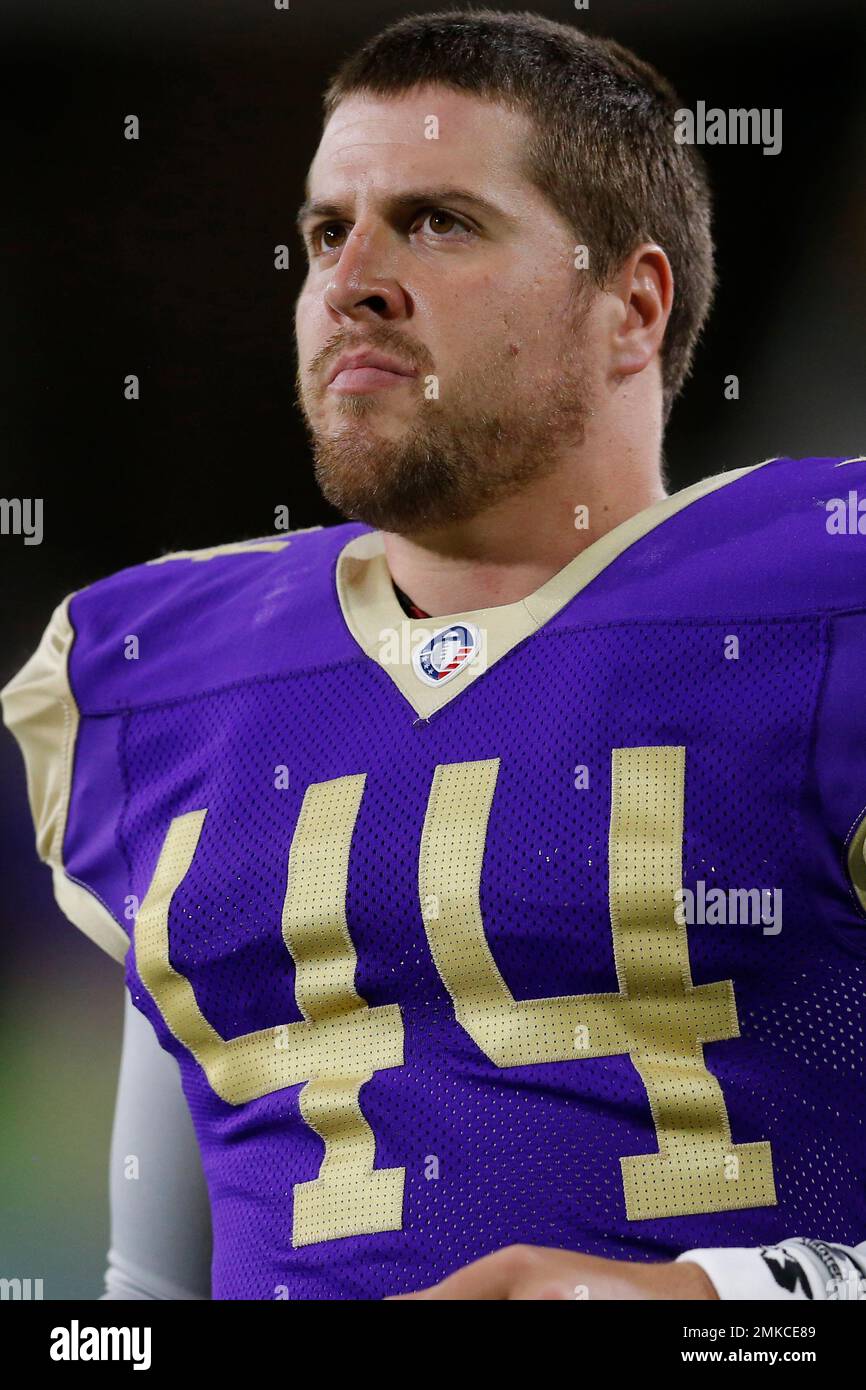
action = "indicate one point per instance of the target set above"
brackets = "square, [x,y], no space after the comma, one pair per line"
[488,868]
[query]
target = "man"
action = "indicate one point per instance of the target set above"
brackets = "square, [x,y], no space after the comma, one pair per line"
[430,841]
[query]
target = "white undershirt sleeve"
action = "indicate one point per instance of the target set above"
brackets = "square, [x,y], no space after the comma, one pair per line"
[160,1211]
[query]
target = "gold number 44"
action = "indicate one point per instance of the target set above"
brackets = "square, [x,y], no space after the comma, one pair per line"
[657,1016]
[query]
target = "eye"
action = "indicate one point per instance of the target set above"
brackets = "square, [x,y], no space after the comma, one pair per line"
[318,232]
[321,231]
[443,214]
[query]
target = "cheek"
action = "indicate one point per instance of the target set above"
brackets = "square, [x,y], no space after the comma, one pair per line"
[471,300]
[524,334]
[479,327]
[299,326]
[305,315]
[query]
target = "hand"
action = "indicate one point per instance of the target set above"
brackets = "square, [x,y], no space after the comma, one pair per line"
[524,1272]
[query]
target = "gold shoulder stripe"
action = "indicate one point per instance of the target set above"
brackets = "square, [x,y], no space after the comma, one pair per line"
[857,861]
[39,709]
[212,552]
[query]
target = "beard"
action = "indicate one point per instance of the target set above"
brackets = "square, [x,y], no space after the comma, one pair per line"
[453,461]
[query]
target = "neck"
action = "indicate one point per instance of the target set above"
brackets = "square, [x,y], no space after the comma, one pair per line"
[515,546]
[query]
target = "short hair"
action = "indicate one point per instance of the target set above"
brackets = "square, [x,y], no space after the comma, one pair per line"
[602,148]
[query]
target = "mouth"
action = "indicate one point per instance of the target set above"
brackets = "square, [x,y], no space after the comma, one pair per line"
[359,380]
[365,370]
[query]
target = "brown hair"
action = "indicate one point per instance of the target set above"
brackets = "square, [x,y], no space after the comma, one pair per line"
[602,150]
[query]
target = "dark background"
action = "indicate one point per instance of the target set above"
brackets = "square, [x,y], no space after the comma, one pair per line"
[156,257]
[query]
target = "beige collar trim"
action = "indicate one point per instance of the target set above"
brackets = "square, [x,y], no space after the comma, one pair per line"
[389,636]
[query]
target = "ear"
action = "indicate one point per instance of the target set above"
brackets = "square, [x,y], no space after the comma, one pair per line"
[644,289]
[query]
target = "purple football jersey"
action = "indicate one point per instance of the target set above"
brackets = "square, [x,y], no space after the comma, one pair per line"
[544,923]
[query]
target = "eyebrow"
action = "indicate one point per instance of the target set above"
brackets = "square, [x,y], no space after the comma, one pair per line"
[404,202]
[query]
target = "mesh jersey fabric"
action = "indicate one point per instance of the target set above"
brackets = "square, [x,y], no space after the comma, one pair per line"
[455,890]
[160,1228]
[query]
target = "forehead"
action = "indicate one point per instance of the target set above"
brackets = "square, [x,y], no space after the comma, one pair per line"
[382,141]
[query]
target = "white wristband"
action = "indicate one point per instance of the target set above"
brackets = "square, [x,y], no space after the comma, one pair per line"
[762,1273]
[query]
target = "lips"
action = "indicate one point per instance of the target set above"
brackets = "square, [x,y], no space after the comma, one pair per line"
[352,361]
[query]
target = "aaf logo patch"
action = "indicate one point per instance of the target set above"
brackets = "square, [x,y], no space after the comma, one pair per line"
[447,653]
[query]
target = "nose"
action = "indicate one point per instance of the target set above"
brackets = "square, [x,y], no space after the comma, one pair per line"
[360,287]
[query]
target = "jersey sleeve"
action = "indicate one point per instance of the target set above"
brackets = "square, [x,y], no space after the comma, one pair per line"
[40,710]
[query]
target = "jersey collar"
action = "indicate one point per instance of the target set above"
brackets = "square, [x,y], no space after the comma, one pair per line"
[386,634]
